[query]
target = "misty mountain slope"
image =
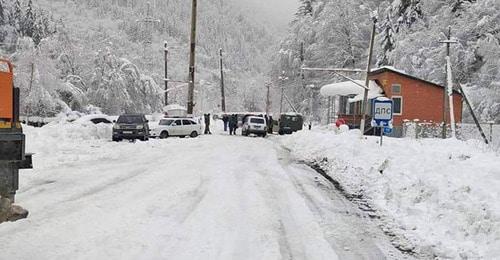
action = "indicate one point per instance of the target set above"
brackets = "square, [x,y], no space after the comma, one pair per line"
[99,51]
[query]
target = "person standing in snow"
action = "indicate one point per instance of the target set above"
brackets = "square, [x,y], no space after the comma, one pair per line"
[233,123]
[207,124]
[225,119]
[270,124]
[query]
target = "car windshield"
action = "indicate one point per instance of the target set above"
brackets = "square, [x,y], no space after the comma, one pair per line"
[166,121]
[257,120]
[129,119]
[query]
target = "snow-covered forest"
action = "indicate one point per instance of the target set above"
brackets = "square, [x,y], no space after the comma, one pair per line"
[336,34]
[79,55]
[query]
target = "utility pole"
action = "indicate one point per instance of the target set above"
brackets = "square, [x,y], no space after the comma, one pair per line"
[268,98]
[302,76]
[282,79]
[166,73]
[149,21]
[222,91]
[449,88]
[476,121]
[367,81]
[192,54]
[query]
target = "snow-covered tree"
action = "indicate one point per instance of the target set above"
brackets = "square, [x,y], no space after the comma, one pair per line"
[2,13]
[28,22]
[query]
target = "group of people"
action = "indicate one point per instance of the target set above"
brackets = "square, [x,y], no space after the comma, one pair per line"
[231,122]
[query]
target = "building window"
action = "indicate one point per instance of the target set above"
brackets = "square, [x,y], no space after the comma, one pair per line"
[396,89]
[398,105]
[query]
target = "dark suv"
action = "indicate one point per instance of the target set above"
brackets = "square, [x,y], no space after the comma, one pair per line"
[131,127]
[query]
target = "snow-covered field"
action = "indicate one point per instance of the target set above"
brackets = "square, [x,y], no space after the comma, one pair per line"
[441,196]
[213,197]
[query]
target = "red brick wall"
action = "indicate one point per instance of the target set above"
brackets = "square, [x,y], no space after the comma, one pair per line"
[421,100]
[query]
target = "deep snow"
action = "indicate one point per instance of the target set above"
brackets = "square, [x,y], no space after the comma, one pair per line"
[440,197]
[213,197]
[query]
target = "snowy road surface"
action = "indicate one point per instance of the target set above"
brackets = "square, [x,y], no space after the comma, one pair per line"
[214,197]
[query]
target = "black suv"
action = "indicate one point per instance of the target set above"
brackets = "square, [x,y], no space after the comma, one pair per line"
[131,127]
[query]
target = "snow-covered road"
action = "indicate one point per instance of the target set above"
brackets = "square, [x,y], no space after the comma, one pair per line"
[213,197]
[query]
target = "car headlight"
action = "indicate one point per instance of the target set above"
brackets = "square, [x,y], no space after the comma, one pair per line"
[140,127]
[116,126]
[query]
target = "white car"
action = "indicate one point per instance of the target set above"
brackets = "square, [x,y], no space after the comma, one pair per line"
[254,125]
[181,127]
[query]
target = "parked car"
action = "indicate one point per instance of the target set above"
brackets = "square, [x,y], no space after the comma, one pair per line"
[254,125]
[131,127]
[182,127]
[290,123]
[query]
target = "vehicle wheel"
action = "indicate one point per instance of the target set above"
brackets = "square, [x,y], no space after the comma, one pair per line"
[163,135]
[264,134]
[281,132]
[145,138]
[194,134]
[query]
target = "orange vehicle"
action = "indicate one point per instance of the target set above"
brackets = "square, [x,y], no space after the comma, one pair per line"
[12,139]
[7,99]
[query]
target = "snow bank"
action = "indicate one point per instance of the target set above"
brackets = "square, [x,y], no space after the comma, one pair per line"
[54,140]
[441,195]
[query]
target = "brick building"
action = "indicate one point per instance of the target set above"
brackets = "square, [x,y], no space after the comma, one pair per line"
[413,98]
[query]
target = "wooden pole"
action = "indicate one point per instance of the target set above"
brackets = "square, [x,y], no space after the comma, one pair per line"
[222,91]
[166,74]
[192,58]
[476,121]
[268,99]
[367,80]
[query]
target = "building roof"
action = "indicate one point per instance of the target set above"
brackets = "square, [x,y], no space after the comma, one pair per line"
[402,73]
[349,88]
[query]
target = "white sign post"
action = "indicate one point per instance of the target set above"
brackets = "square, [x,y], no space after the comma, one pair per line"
[382,115]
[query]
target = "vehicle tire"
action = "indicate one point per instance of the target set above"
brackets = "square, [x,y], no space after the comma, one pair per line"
[164,135]
[264,135]
[194,134]
[144,139]
[281,132]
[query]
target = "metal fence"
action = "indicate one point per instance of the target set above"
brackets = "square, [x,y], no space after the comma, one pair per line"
[465,131]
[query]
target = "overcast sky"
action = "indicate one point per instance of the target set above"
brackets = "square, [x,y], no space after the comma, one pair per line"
[279,12]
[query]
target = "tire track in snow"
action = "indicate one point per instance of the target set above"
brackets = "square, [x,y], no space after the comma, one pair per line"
[333,215]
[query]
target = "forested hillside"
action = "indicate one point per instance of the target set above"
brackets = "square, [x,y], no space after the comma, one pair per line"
[88,52]
[336,34]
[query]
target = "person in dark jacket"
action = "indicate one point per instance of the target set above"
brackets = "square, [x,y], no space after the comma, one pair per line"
[207,124]
[233,124]
[225,119]
[270,124]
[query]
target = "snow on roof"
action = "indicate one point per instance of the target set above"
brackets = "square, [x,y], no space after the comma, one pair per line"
[349,88]
[391,68]
[291,114]
[173,107]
